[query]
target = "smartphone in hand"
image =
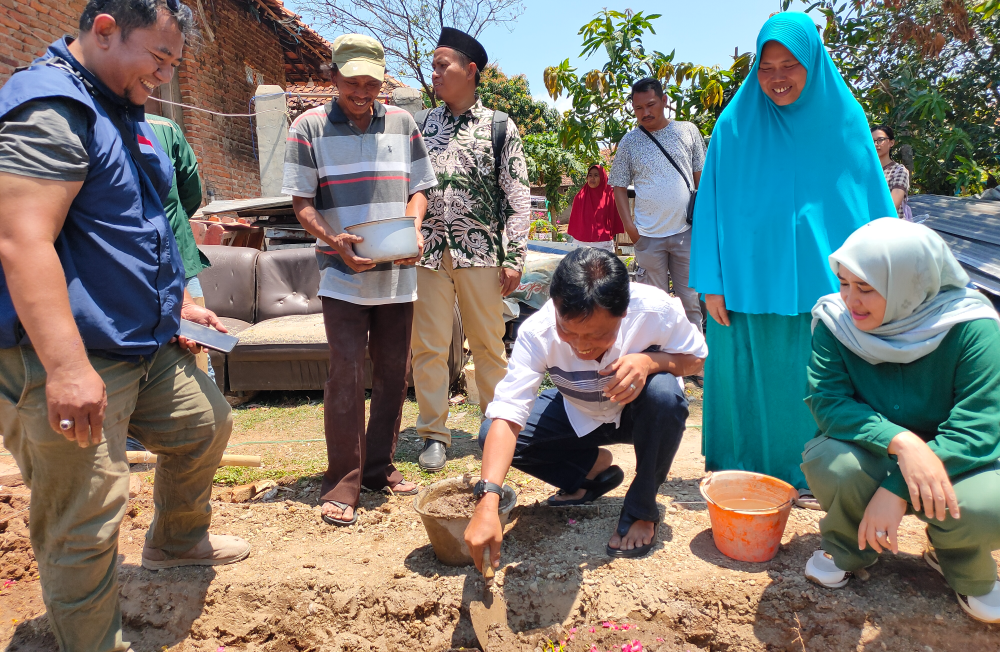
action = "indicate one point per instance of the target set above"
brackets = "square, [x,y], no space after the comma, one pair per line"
[207,337]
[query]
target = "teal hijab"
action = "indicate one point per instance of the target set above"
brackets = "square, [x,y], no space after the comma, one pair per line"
[783,187]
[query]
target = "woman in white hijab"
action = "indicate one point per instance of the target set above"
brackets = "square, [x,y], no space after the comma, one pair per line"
[904,384]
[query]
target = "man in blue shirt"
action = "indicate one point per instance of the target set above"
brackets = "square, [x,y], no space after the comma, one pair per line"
[91,296]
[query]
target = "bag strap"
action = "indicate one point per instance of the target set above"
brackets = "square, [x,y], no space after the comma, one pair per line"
[129,139]
[669,157]
[499,137]
[420,117]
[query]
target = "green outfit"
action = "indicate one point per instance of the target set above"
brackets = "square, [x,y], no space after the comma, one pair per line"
[185,193]
[950,398]
[79,495]
[755,378]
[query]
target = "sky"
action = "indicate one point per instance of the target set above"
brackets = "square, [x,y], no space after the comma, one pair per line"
[702,32]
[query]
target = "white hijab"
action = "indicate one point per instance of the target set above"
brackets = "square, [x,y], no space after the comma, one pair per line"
[923,285]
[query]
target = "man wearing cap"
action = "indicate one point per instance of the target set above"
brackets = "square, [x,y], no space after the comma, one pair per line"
[356,160]
[474,237]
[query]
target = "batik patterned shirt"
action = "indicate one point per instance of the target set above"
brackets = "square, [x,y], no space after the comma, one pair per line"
[481,225]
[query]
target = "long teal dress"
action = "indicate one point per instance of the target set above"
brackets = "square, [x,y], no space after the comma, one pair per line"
[782,188]
[755,381]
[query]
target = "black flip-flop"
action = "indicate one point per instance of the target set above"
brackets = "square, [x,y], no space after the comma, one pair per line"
[605,481]
[625,521]
[329,520]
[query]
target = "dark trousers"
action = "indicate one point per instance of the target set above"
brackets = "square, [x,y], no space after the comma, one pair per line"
[548,448]
[357,456]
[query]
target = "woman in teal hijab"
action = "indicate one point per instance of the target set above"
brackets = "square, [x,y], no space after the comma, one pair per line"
[791,171]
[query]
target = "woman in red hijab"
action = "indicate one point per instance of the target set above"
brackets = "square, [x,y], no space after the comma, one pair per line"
[594,220]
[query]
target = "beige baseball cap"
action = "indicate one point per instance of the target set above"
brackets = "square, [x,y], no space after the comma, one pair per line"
[357,54]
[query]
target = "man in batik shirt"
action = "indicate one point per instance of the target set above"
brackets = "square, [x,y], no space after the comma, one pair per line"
[475,234]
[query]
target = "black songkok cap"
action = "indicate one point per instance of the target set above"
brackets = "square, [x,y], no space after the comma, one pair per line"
[462,42]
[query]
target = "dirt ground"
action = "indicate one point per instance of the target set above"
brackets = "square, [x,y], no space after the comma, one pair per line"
[378,587]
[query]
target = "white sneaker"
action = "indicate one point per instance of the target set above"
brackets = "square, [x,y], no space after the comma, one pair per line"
[821,569]
[985,608]
[931,558]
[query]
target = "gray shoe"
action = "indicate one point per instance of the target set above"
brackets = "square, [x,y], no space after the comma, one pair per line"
[433,457]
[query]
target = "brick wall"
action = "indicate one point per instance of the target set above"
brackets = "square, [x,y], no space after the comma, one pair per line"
[28,26]
[214,78]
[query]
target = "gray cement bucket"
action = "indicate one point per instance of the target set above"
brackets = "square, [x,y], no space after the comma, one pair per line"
[447,534]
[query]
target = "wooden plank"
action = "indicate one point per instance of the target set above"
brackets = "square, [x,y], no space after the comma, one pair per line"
[145,457]
[295,234]
[267,212]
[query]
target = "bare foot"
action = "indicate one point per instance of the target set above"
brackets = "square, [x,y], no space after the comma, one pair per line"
[604,460]
[332,511]
[640,534]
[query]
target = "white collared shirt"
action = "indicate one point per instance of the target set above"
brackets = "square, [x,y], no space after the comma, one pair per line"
[655,322]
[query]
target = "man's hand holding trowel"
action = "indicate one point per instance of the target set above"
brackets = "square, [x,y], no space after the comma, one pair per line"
[484,530]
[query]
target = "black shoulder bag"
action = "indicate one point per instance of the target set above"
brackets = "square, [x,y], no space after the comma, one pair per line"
[691,188]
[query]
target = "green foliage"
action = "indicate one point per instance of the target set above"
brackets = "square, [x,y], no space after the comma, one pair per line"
[548,163]
[602,109]
[512,95]
[928,69]
[544,226]
[537,123]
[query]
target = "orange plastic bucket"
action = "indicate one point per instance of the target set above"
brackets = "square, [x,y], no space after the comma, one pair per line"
[749,512]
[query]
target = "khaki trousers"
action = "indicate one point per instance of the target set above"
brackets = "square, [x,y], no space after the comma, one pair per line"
[480,304]
[79,495]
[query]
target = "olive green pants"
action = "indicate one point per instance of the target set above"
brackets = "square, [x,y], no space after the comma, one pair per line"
[844,477]
[79,495]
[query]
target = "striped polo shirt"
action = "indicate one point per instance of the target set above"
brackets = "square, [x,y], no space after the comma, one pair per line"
[356,177]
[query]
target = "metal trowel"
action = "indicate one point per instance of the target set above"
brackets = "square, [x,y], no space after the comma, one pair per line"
[491,611]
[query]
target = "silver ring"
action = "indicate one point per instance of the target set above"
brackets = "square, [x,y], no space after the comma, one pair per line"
[66,424]
[880,533]
[632,387]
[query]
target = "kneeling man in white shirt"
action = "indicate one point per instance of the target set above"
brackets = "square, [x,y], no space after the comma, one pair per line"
[617,353]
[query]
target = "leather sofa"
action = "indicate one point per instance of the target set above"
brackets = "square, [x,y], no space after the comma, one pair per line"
[269,300]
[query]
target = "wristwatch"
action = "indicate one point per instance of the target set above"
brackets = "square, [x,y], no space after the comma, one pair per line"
[483,487]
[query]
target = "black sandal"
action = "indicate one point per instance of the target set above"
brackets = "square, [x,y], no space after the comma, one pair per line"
[605,481]
[329,520]
[625,521]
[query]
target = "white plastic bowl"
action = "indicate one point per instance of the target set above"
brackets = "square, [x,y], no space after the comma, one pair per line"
[384,240]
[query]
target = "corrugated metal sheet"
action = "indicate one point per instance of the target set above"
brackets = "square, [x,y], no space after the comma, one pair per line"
[972,230]
[230,205]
